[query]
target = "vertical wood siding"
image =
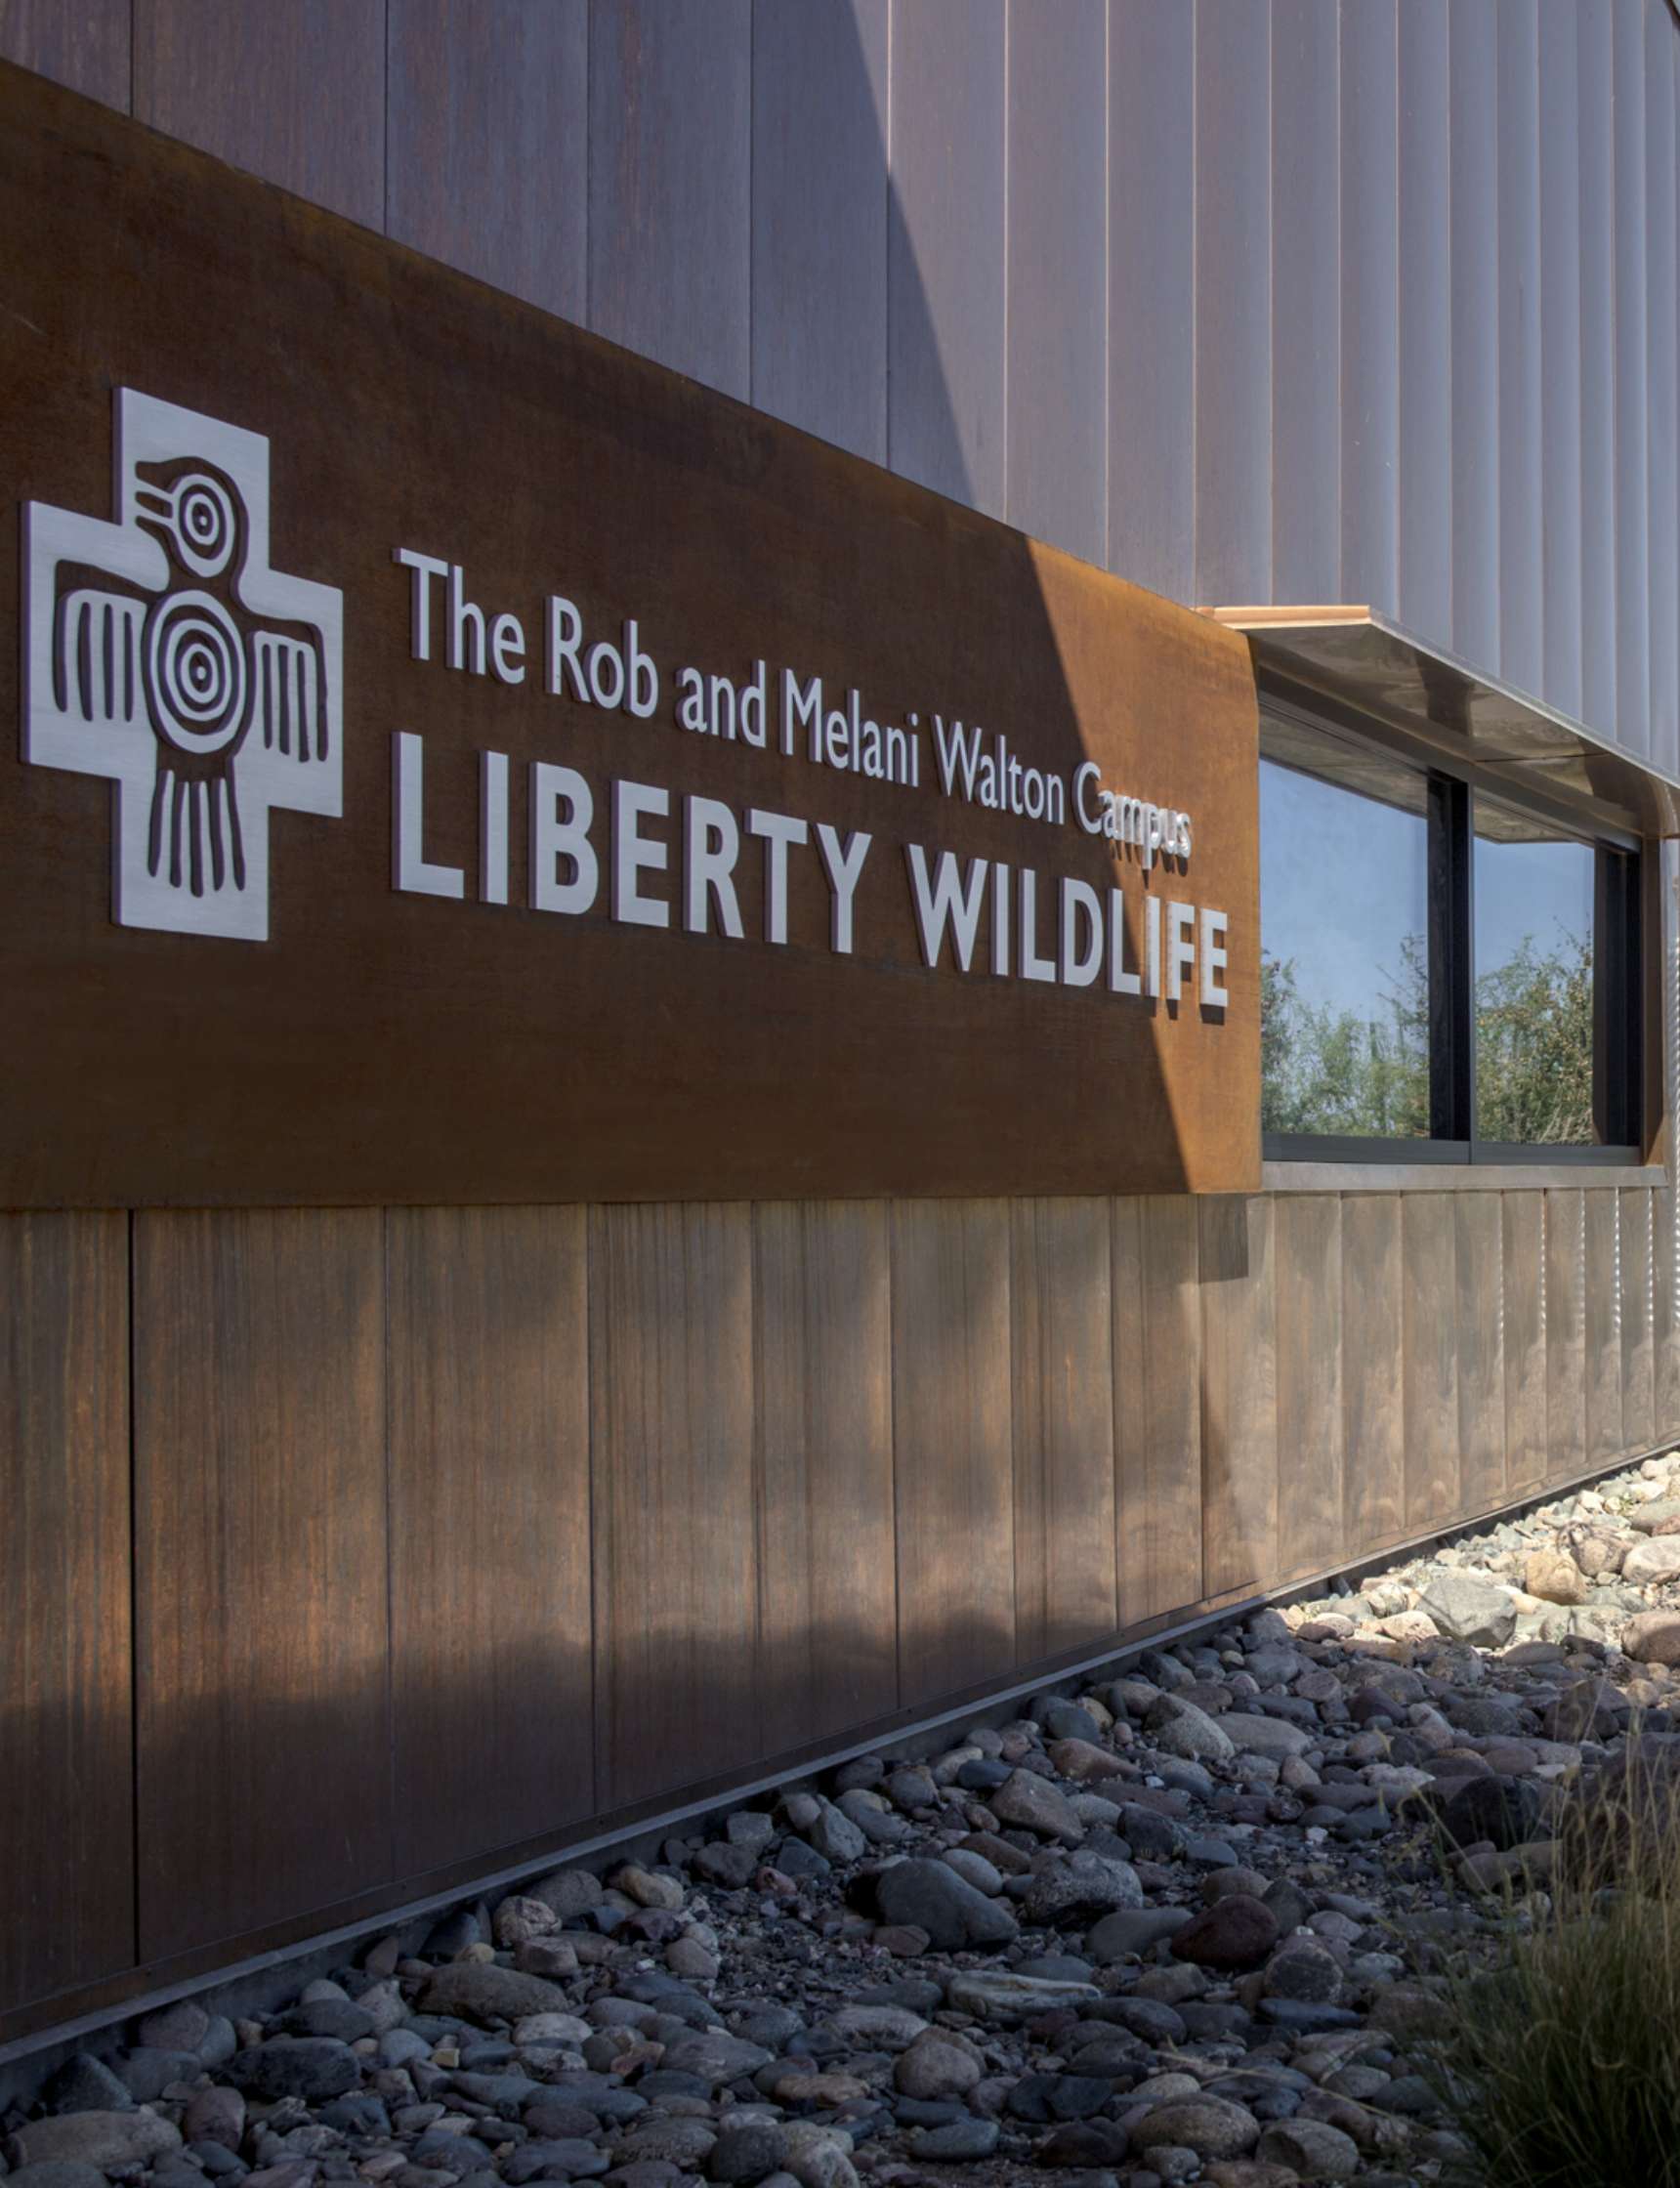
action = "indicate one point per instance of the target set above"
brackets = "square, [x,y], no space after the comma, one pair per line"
[505,1518]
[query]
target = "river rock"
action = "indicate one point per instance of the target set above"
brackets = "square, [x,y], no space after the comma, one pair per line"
[1033,1803]
[1211,2126]
[481,1990]
[1237,1931]
[933,1897]
[1466,1609]
[111,2140]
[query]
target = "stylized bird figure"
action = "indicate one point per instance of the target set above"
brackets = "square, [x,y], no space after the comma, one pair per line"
[195,664]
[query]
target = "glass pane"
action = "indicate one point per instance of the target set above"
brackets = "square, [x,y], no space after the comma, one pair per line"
[1344,903]
[1533,980]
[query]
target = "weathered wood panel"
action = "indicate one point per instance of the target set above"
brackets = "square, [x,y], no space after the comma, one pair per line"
[67,1729]
[1057,355]
[951,1438]
[1239,1391]
[1061,1384]
[1523,1221]
[829,1608]
[293,91]
[1565,1333]
[1308,1260]
[1305,301]
[1482,1440]
[1638,1323]
[487,120]
[1233,300]
[487,1401]
[261,1596]
[1373,1383]
[88,44]
[1603,1365]
[1665,1267]
[819,194]
[670,186]
[674,1526]
[1157,1405]
[1429,1344]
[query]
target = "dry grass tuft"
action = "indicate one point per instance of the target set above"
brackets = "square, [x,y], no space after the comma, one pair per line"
[1560,2053]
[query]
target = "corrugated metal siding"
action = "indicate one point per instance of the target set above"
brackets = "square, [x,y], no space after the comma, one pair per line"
[1254,298]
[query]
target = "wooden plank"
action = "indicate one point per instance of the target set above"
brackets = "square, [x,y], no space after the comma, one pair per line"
[488,1398]
[951,1444]
[1563,338]
[1523,1225]
[1565,1333]
[823,1348]
[1373,1383]
[1239,1391]
[1665,1266]
[1152,296]
[1663,427]
[261,1593]
[1424,573]
[946,251]
[670,186]
[67,1729]
[1475,334]
[1057,385]
[1639,1429]
[1157,1405]
[1481,1316]
[1429,1337]
[1234,227]
[1522,595]
[671,1454]
[1306,302]
[88,46]
[1627,37]
[819,196]
[488,122]
[1595,92]
[1309,1422]
[293,92]
[1061,1385]
[1602,1317]
[1370,301]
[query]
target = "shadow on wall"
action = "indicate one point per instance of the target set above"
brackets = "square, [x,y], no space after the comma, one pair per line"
[1023,1472]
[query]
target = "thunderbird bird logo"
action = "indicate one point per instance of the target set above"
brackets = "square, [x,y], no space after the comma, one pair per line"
[163,652]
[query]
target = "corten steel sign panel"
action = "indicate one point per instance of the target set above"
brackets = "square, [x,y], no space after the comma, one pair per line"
[459,761]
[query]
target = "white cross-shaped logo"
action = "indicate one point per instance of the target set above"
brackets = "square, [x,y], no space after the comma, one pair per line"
[162,651]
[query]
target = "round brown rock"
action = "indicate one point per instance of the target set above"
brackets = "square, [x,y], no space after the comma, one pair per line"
[1211,2126]
[1237,1931]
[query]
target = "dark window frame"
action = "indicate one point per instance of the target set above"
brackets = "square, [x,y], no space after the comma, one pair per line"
[1619,993]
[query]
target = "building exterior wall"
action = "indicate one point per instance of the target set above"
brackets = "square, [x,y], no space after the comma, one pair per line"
[454,1529]
[1249,300]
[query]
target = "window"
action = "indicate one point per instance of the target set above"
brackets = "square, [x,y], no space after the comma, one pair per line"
[1447,973]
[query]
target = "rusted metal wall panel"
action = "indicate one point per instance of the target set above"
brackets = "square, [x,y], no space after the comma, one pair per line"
[66,1674]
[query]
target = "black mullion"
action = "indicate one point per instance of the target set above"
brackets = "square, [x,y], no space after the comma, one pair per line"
[1451,977]
[1617,1060]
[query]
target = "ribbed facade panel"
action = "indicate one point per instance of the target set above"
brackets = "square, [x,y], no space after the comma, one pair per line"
[1254,300]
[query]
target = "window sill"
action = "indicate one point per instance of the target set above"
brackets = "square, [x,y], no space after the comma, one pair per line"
[1308,1176]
